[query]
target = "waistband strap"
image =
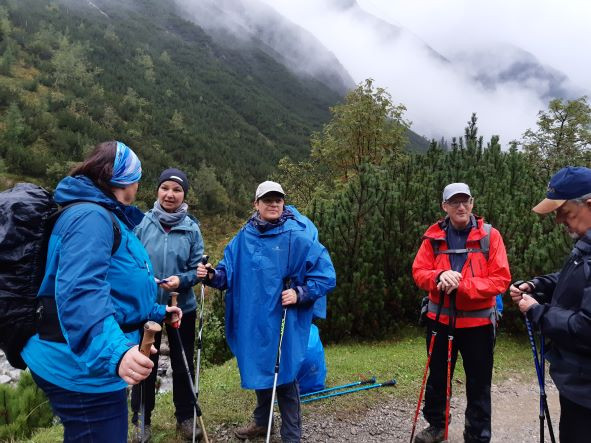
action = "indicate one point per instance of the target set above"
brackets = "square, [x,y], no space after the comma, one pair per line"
[48,324]
[481,313]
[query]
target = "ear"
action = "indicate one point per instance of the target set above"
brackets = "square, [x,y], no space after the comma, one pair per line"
[588,203]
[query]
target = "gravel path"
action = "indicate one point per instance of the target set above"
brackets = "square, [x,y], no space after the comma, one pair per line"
[515,415]
[515,419]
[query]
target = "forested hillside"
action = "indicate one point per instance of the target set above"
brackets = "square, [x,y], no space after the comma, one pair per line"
[372,202]
[75,73]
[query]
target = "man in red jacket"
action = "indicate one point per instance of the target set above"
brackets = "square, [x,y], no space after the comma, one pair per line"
[457,259]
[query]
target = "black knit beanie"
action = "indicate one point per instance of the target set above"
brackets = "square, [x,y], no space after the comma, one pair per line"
[175,175]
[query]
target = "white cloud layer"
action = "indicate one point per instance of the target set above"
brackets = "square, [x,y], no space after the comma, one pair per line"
[441,96]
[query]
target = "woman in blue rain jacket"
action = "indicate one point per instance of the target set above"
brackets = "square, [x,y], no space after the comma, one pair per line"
[277,243]
[175,246]
[81,357]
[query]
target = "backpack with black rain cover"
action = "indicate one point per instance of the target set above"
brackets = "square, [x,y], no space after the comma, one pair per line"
[24,212]
[27,216]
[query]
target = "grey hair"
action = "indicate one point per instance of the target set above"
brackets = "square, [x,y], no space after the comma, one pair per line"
[581,199]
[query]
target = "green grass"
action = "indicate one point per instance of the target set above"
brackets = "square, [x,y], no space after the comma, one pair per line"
[403,358]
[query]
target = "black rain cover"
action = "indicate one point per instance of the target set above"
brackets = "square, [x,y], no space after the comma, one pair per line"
[24,211]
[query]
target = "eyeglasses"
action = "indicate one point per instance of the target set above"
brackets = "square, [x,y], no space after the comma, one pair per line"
[457,203]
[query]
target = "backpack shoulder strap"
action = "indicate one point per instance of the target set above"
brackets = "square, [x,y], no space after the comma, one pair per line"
[435,246]
[485,241]
[116,227]
[484,244]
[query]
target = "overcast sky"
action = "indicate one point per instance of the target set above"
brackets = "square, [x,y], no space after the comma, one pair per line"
[440,97]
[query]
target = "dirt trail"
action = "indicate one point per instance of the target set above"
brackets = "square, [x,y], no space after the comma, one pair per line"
[515,418]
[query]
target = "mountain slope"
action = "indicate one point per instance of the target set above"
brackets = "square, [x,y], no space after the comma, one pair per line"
[253,24]
[140,73]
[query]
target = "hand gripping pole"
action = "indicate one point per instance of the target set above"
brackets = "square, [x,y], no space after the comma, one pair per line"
[151,328]
[197,410]
[286,285]
[204,260]
[426,371]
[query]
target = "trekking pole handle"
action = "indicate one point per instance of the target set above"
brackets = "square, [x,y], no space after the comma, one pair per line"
[174,319]
[151,328]
[204,259]
[518,283]
[286,283]
[389,383]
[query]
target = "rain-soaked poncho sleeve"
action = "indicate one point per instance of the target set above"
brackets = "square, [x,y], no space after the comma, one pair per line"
[319,278]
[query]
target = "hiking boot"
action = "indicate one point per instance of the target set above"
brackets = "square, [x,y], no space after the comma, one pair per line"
[185,429]
[430,435]
[250,431]
[136,434]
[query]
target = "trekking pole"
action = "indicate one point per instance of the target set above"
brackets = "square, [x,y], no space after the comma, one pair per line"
[540,372]
[429,353]
[532,342]
[450,338]
[335,388]
[174,322]
[546,410]
[204,260]
[286,285]
[151,328]
[350,391]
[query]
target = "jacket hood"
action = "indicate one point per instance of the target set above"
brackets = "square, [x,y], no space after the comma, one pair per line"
[294,222]
[437,230]
[81,188]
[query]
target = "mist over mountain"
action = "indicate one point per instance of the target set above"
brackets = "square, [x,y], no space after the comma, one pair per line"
[78,72]
[251,24]
[441,81]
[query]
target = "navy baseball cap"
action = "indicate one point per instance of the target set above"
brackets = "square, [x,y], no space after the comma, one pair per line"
[567,184]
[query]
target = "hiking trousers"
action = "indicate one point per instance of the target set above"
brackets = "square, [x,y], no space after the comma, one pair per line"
[182,396]
[476,346]
[288,398]
[574,422]
[88,418]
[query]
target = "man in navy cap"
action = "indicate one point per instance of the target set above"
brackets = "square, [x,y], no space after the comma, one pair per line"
[561,308]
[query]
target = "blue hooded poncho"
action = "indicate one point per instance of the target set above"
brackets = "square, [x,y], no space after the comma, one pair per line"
[254,266]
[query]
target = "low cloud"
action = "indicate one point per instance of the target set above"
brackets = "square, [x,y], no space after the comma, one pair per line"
[476,39]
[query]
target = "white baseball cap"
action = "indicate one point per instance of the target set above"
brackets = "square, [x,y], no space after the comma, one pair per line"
[266,187]
[455,188]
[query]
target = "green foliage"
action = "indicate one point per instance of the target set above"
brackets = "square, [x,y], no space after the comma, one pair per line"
[562,138]
[73,74]
[367,131]
[373,225]
[22,409]
[215,349]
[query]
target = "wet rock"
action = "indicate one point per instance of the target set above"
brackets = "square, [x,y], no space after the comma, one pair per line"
[5,379]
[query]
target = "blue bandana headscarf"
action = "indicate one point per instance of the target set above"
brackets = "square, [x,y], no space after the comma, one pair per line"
[127,168]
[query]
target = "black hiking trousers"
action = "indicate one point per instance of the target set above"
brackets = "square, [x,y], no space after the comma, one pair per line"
[574,422]
[182,395]
[476,345]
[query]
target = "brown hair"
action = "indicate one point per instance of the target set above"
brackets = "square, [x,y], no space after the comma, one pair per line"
[98,165]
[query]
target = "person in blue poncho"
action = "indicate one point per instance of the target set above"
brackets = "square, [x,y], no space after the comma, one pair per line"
[276,243]
[95,295]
